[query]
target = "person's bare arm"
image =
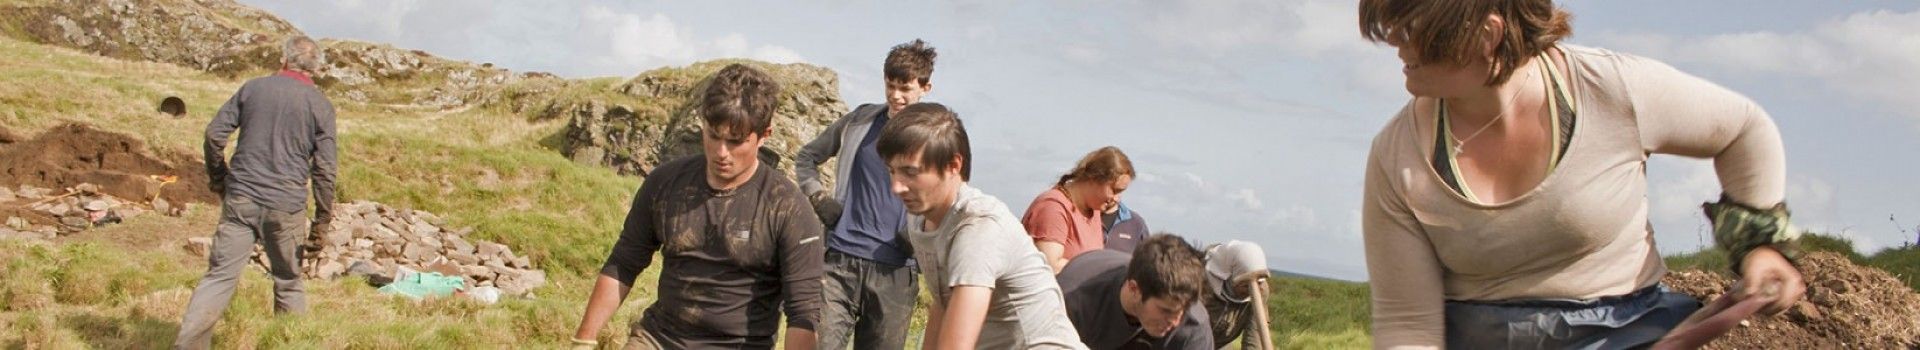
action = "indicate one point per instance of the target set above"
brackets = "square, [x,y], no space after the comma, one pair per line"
[800,339]
[966,313]
[1055,254]
[608,294]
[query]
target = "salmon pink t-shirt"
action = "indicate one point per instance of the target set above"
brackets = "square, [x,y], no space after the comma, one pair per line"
[1053,218]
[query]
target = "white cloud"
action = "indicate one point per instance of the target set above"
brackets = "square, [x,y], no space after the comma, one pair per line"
[1294,216]
[641,42]
[1246,198]
[1874,56]
[1298,27]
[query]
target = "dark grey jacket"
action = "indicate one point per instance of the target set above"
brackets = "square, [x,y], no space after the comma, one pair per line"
[287,140]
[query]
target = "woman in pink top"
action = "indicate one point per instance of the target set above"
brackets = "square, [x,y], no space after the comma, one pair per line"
[1065,220]
[1505,205]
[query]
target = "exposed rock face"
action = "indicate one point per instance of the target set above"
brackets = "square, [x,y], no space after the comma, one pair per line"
[216,35]
[378,73]
[654,117]
[236,41]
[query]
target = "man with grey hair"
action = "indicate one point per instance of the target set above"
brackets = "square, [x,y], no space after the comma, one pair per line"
[288,144]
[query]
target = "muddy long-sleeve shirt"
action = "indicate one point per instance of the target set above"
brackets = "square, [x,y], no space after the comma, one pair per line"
[286,142]
[731,258]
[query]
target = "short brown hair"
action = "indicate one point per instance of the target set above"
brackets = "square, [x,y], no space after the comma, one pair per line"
[912,61]
[1104,164]
[1166,267]
[740,98]
[932,130]
[1445,31]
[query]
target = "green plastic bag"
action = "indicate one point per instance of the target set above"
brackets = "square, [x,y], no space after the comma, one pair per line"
[424,285]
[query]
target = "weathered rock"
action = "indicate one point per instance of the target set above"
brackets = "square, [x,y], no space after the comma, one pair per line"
[521,283]
[199,246]
[420,245]
[330,268]
[490,249]
[163,206]
[31,192]
[463,258]
[204,35]
[654,118]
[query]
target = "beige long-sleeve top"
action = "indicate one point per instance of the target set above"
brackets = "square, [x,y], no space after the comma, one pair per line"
[1582,232]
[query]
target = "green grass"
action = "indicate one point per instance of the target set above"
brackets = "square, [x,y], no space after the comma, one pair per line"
[1714,259]
[121,286]
[1903,262]
[1319,314]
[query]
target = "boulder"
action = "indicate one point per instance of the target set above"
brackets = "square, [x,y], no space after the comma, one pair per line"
[654,117]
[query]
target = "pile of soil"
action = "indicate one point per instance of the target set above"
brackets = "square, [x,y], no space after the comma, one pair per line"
[1846,306]
[121,165]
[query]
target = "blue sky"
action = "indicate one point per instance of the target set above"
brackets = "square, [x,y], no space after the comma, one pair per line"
[1248,120]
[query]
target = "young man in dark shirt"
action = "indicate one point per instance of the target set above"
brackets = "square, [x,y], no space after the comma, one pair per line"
[1147,300]
[737,239]
[870,280]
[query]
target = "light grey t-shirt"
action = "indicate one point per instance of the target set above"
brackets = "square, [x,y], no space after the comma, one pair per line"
[982,244]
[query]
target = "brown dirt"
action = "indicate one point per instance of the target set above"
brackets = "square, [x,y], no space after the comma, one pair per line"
[7,136]
[72,154]
[1846,306]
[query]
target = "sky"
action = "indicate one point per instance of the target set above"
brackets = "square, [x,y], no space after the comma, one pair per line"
[1246,119]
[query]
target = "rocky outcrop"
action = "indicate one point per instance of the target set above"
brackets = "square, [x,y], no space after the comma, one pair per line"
[237,41]
[653,118]
[382,74]
[629,125]
[217,36]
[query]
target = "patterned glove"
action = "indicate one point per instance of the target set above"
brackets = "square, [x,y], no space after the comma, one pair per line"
[1738,229]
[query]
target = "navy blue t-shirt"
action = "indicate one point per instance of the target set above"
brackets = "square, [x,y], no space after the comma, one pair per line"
[871,216]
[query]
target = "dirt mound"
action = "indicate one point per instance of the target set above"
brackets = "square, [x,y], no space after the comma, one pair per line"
[1847,306]
[73,154]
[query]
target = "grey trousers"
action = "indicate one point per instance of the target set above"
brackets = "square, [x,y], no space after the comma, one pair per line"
[869,302]
[244,223]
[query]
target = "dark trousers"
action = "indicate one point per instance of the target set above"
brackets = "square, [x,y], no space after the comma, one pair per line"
[867,301]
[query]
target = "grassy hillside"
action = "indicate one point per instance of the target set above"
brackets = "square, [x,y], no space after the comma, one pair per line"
[123,286]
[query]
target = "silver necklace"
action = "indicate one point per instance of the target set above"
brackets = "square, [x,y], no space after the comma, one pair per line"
[1462,142]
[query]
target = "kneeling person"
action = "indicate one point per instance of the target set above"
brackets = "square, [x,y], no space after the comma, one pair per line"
[1150,299]
[991,290]
[737,238]
[1237,274]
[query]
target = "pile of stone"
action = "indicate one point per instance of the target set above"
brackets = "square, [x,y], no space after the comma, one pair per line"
[40,213]
[389,239]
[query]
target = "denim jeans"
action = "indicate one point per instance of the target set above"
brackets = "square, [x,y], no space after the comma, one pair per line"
[1629,321]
